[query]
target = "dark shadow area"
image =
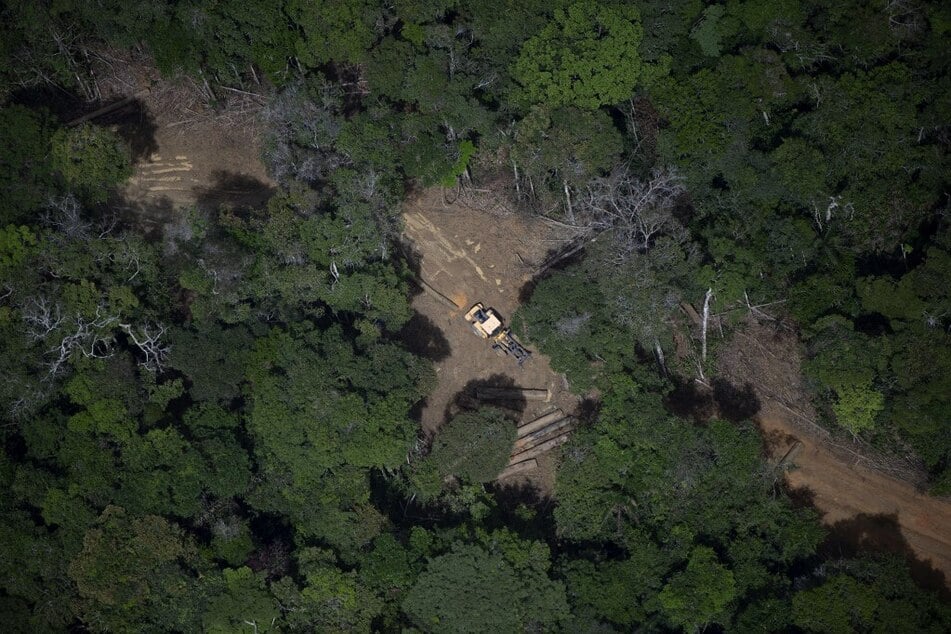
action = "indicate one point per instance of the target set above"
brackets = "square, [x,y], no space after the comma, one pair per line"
[416,411]
[468,398]
[63,105]
[412,258]
[555,260]
[135,125]
[405,511]
[131,120]
[236,191]
[801,498]
[873,324]
[424,338]
[146,219]
[881,533]
[274,545]
[588,410]
[735,403]
[521,507]
[691,400]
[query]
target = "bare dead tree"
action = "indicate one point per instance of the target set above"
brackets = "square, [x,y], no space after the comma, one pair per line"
[125,254]
[90,337]
[833,208]
[303,128]
[905,18]
[636,212]
[149,342]
[704,326]
[64,215]
[42,317]
[68,46]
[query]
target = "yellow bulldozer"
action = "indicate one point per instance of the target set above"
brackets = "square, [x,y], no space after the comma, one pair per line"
[485,322]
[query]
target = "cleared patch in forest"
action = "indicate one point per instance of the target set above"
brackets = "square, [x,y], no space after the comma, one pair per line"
[184,152]
[467,251]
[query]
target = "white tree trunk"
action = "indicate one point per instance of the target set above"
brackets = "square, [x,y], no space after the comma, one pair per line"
[571,212]
[660,356]
[705,322]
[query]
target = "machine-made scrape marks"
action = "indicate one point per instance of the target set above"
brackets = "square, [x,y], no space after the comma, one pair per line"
[464,256]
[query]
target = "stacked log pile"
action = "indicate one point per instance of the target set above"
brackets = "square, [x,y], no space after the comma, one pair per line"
[537,437]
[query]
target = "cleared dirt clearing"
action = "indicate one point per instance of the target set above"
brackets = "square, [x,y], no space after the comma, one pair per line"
[466,255]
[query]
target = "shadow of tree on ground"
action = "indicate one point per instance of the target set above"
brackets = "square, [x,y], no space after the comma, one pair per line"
[735,403]
[236,191]
[136,125]
[424,338]
[467,399]
[881,533]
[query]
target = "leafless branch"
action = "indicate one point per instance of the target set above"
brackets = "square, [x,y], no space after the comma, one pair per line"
[148,341]
[64,214]
[90,337]
[635,212]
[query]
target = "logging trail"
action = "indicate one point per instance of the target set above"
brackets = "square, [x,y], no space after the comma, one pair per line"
[867,501]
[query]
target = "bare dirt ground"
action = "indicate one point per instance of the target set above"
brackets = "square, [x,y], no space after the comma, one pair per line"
[868,501]
[472,251]
[184,152]
[200,164]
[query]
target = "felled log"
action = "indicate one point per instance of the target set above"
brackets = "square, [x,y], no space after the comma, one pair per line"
[538,450]
[790,456]
[519,467]
[468,402]
[512,394]
[555,429]
[539,423]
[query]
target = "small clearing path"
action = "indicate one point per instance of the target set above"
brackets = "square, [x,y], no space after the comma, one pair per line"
[469,251]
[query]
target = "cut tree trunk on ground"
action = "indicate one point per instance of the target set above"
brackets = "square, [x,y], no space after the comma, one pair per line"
[107,109]
[432,292]
[469,402]
[539,423]
[557,428]
[538,450]
[512,394]
[790,456]
[519,467]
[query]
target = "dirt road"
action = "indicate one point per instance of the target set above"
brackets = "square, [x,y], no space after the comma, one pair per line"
[864,508]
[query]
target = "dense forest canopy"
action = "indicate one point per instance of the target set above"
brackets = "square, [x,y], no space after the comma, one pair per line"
[213,431]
